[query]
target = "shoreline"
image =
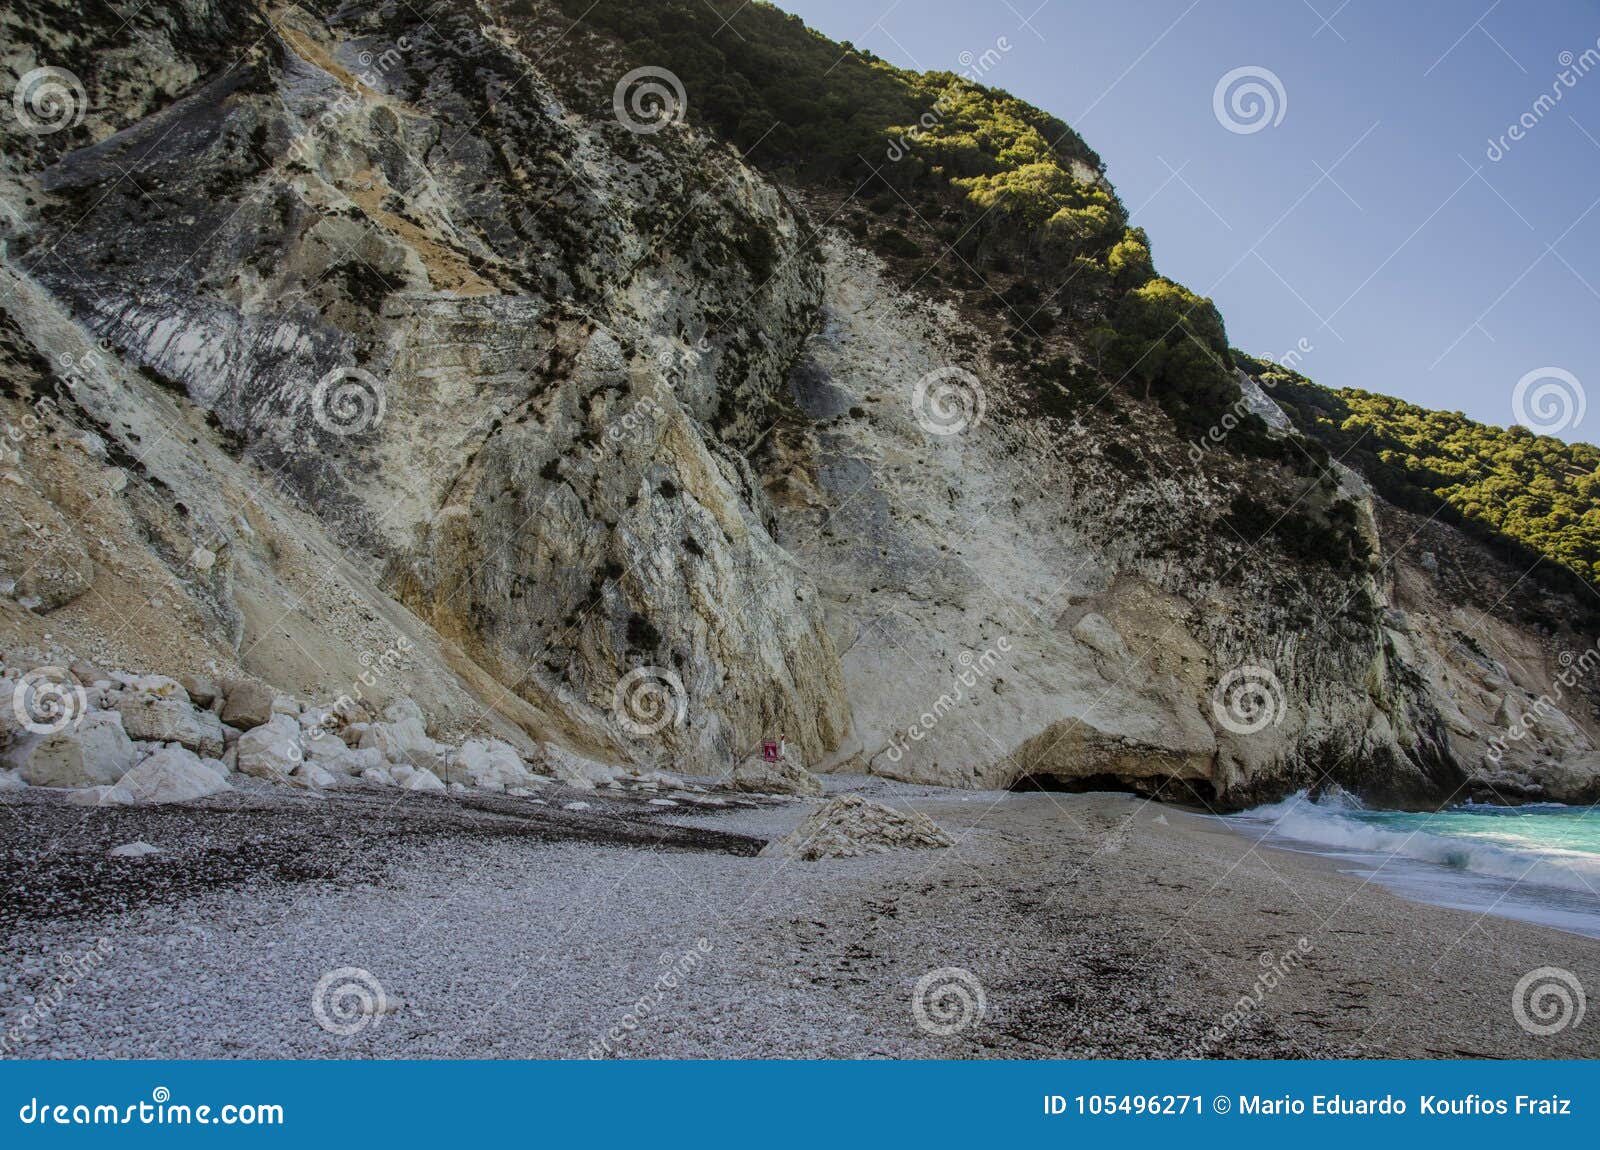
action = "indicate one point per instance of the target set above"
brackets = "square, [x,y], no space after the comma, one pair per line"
[1472,866]
[1096,925]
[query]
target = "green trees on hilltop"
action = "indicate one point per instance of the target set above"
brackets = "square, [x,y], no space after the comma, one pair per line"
[938,157]
[1010,186]
[1530,495]
[1162,338]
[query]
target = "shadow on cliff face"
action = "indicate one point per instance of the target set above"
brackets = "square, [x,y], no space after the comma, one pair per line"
[1167,789]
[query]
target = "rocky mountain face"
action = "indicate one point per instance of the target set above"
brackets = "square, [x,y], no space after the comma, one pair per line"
[342,345]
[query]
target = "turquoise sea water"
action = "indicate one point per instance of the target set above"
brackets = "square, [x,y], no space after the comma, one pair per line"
[1540,862]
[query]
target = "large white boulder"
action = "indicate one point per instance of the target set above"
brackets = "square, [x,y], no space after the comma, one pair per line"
[203,690]
[786,777]
[405,711]
[322,745]
[10,722]
[171,775]
[403,737]
[249,704]
[52,694]
[849,826]
[315,776]
[489,764]
[355,761]
[167,717]
[578,772]
[93,751]
[423,780]
[271,750]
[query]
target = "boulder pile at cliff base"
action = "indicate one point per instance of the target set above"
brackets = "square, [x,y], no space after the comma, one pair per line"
[849,826]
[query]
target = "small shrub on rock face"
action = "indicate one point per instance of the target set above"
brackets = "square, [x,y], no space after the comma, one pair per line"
[894,242]
[1333,540]
[759,253]
[642,634]
[1124,459]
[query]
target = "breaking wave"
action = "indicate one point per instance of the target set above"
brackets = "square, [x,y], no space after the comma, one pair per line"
[1546,845]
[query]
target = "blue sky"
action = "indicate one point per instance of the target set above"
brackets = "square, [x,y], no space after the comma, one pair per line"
[1369,220]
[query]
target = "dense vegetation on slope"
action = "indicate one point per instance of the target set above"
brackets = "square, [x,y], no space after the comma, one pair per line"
[1011,188]
[1018,194]
[1529,495]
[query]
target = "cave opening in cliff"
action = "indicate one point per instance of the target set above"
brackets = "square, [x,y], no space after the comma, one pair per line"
[1185,792]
